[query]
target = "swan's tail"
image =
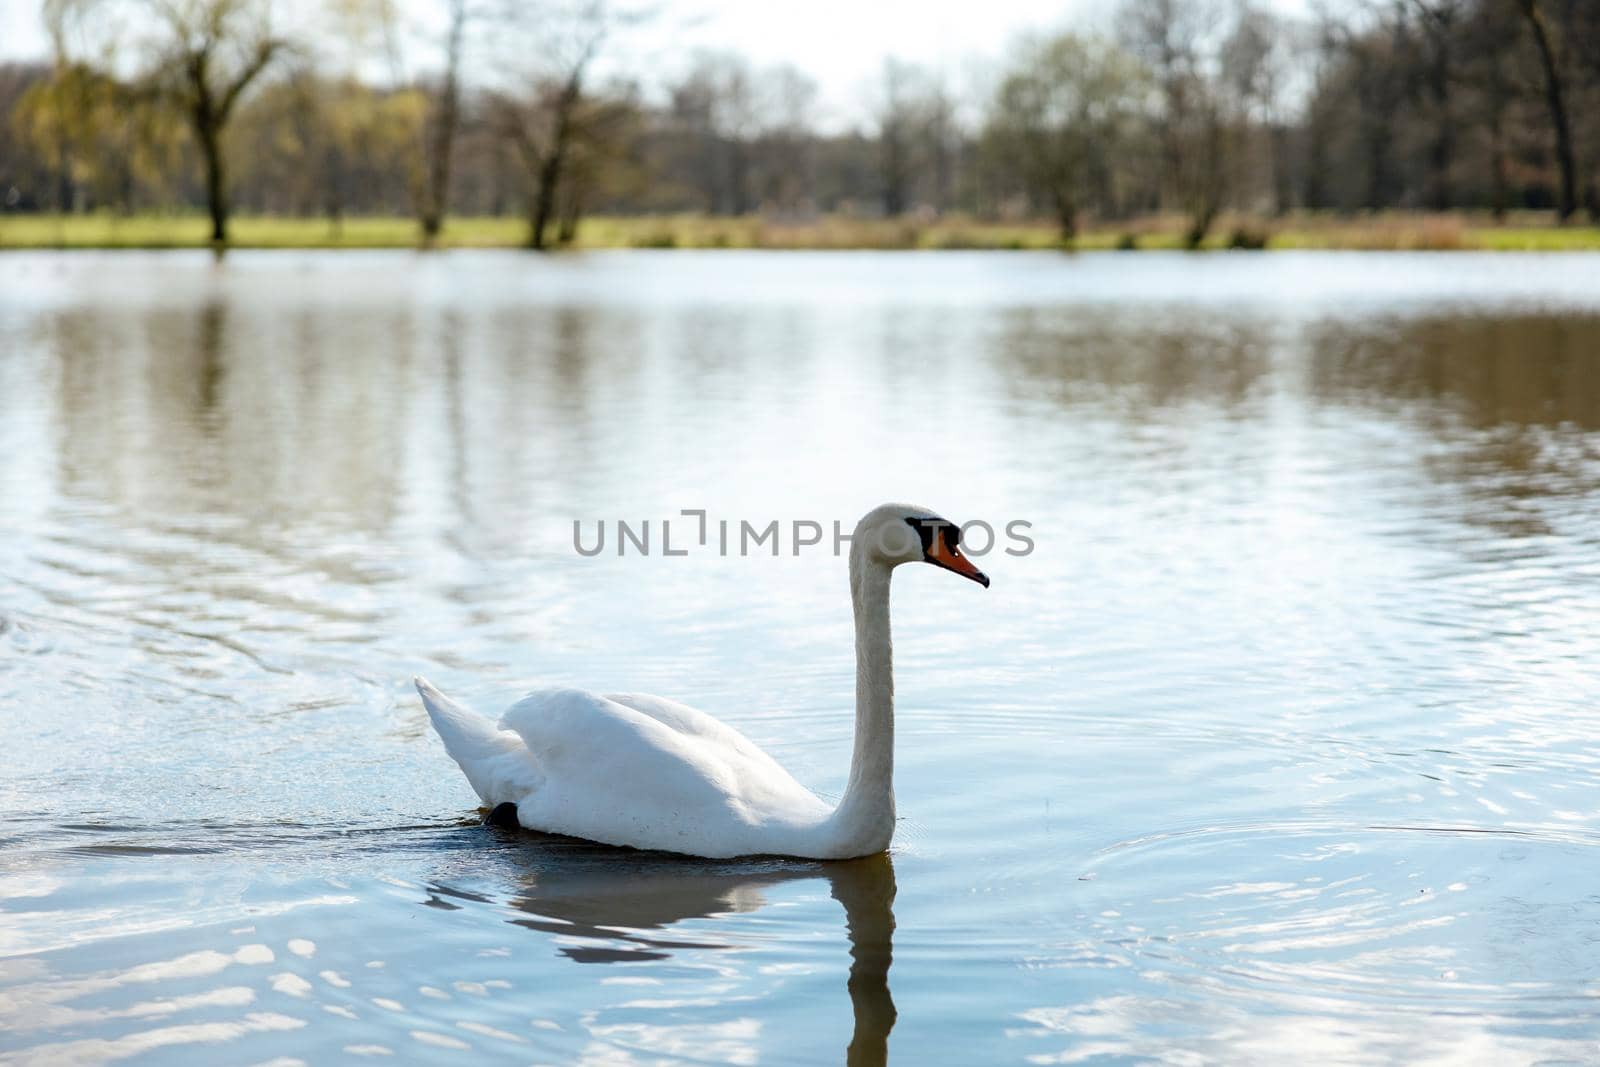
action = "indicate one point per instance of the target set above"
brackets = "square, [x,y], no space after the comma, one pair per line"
[496,762]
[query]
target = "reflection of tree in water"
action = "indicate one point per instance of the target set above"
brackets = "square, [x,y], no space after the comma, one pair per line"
[625,905]
[160,379]
[255,412]
[1512,402]
[1508,406]
[1488,372]
[1136,367]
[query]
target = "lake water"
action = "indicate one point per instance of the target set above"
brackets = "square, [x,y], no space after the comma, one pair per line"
[1281,745]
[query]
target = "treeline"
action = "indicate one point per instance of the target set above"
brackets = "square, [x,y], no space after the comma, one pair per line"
[1187,107]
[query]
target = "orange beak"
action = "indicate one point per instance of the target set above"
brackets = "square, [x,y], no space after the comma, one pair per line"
[951,559]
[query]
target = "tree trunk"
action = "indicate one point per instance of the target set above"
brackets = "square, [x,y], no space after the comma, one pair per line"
[1067,217]
[1499,189]
[1377,135]
[1499,167]
[550,168]
[538,219]
[441,143]
[1555,97]
[1314,194]
[894,176]
[1282,197]
[210,140]
[544,200]
[1442,147]
[1210,179]
[1441,194]
[738,178]
[1199,225]
[571,213]
[66,197]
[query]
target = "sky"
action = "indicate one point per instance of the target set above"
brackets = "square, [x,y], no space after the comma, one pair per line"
[840,43]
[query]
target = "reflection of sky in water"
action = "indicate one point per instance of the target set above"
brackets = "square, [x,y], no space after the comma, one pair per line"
[1282,742]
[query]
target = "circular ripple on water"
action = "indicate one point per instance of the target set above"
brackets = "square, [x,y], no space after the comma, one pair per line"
[1332,944]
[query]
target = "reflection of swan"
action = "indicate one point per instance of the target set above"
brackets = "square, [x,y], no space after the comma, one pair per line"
[638,770]
[628,913]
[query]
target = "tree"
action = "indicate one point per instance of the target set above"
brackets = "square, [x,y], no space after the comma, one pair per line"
[1060,115]
[204,54]
[74,121]
[1373,74]
[715,112]
[896,121]
[1255,60]
[942,134]
[1440,23]
[1490,67]
[543,119]
[784,138]
[916,133]
[443,118]
[25,176]
[311,144]
[601,162]
[1555,90]
[1173,38]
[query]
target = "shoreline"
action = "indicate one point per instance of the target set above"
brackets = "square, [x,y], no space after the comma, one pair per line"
[1532,233]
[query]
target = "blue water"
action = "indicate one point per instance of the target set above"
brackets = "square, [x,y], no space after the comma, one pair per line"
[1281,745]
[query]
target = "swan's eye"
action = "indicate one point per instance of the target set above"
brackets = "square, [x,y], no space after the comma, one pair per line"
[948,533]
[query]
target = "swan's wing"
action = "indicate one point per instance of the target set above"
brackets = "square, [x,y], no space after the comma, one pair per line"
[696,723]
[576,735]
[614,773]
[566,727]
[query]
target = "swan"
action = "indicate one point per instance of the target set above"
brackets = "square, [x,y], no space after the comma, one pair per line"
[645,772]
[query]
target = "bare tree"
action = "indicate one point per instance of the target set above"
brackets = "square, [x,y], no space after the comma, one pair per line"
[895,122]
[915,130]
[941,132]
[542,119]
[1374,55]
[783,147]
[1555,90]
[1440,24]
[1488,74]
[1255,59]
[741,136]
[1175,38]
[444,116]
[600,161]
[715,104]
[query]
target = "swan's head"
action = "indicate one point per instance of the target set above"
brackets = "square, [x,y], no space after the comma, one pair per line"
[902,533]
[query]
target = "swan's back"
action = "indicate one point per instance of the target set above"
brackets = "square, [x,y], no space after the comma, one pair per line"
[639,770]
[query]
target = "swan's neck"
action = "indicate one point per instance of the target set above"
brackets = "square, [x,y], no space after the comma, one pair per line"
[865,819]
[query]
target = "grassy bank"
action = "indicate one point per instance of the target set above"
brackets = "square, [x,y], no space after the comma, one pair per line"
[1389,232]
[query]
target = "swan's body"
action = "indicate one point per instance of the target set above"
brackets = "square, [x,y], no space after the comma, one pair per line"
[637,770]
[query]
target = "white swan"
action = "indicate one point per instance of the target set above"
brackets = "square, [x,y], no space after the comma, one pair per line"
[641,771]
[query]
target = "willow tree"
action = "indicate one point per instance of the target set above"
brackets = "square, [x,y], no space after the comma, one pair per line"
[201,56]
[76,121]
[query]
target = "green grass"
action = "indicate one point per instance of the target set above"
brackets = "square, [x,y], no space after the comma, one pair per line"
[1396,232]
